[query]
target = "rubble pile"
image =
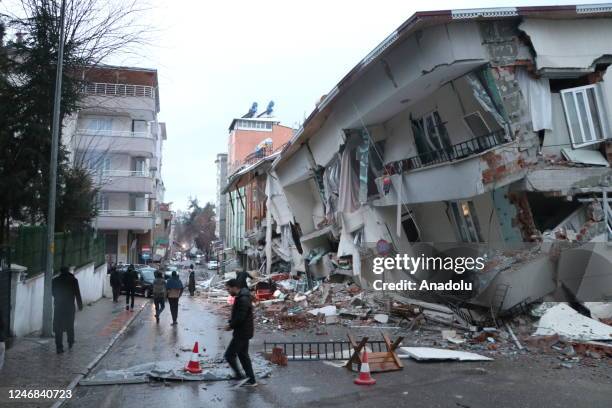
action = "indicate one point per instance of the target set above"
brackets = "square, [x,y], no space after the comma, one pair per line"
[551,329]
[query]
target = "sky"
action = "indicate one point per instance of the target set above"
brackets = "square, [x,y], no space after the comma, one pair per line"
[215,58]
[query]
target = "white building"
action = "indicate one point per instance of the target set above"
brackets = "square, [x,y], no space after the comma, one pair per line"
[117,136]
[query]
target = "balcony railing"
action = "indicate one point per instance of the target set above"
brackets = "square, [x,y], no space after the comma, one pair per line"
[125,213]
[99,88]
[452,153]
[113,133]
[261,153]
[125,173]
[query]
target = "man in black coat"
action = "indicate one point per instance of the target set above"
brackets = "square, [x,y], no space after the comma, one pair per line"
[129,284]
[241,322]
[115,282]
[65,289]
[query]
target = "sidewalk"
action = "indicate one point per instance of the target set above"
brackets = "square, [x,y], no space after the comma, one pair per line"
[33,364]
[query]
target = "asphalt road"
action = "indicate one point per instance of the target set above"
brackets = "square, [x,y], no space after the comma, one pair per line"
[520,383]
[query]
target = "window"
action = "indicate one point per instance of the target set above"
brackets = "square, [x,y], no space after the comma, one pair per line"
[476,124]
[466,222]
[434,131]
[139,165]
[103,124]
[583,112]
[139,126]
[103,204]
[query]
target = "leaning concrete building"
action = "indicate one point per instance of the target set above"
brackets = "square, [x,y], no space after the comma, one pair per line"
[480,131]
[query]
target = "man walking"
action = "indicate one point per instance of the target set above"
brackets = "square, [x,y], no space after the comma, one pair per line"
[115,282]
[159,294]
[129,283]
[191,283]
[65,289]
[174,288]
[241,322]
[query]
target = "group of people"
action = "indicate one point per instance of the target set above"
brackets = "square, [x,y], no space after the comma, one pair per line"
[162,289]
[66,292]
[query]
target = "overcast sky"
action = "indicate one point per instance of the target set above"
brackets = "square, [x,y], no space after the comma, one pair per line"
[215,58]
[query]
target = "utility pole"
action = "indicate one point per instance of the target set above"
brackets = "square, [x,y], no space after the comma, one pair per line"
[47,298]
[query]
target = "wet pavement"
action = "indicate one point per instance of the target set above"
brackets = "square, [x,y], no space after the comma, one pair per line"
[32,363]
[521,382]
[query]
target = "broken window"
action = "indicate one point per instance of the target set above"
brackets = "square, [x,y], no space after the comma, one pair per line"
[464,214]
[410,227]
[431,138]
[583,112]
[476,124]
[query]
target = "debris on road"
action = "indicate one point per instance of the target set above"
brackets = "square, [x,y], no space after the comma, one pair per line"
[217,370]
[430,354]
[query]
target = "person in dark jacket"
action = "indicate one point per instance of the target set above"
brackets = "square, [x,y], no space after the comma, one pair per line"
[129,284]
[115,282]
[191,283]
[241,322]
[174,290]
[65,289]
[241,277]
[2,339]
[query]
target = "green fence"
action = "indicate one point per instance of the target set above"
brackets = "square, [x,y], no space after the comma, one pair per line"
[71,249]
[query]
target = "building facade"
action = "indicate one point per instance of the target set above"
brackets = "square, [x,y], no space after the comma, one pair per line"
[116,135]
[221,199]
[467,131]
[250,139]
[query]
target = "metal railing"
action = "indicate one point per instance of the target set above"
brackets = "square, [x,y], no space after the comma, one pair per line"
[125,213]
[261,153]
[113,133]
[452,153]
[320,350]
[125,173]
[100,88]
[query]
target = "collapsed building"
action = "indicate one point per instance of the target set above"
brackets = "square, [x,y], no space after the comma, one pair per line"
[479,132]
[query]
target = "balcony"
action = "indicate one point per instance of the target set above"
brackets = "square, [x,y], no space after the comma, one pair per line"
[461,171]
[117,141]
[99,88]
[124,220]
[117,181]
[453,153]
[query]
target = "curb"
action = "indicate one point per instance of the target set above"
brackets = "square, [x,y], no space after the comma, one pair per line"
[75,381]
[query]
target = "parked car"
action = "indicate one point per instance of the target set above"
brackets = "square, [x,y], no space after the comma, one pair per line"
[212,265]
[169,270]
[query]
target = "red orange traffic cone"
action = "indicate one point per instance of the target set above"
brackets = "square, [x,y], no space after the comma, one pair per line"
[193,366]
[364,373]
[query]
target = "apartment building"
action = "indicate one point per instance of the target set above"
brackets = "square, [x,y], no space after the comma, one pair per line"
[467,132]
[251,138]
[116,135]
[221,199]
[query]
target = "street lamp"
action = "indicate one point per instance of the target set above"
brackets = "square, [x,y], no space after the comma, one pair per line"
[47,295]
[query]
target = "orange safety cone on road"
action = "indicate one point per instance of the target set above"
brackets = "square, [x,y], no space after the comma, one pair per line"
[364,373]
[193,366]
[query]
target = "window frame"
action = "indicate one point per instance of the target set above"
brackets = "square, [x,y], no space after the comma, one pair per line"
[600,106]
[484,122]
[467,227]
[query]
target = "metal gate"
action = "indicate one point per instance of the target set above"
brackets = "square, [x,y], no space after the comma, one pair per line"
[5,289]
